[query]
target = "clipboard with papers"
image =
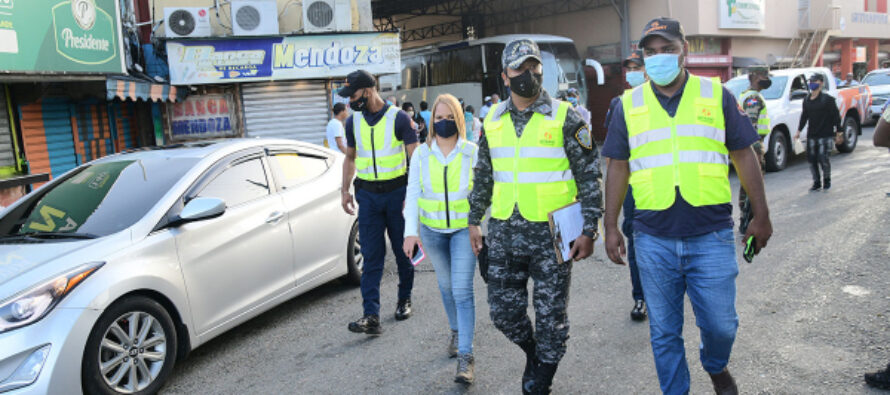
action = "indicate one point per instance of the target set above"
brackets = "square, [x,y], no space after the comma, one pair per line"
[566,225]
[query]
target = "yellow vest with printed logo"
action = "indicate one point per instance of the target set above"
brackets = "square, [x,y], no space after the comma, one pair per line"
[762,125]
[531,171]
[687,151]
[445,188]
[380,156]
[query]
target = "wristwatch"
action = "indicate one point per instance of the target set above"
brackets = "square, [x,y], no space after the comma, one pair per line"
[592,235]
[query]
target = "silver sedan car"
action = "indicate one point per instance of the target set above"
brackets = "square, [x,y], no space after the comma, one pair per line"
[113,271]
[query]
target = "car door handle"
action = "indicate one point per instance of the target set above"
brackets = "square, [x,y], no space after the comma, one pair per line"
[275,217]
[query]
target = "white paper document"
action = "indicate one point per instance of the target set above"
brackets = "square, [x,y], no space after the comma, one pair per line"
[566,224]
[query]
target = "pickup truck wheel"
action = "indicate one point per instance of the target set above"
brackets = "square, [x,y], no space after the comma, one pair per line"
[851,135]
[777,155]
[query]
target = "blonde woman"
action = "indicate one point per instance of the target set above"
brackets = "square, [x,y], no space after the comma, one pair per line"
[440,179]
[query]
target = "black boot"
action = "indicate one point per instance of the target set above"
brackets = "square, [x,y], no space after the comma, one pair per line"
[543,379]
[639,311]
[528,374]
[403,309]
[879,379]
[724,384]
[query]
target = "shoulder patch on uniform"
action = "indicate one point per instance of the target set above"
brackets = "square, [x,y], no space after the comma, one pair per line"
[584,138]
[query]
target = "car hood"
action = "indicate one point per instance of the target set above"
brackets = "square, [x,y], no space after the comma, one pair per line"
[879,90]
[25,265]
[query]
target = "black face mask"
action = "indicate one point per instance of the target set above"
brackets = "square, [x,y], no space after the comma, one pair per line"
[445,128]
[527,84]
[359,104]
[765,84]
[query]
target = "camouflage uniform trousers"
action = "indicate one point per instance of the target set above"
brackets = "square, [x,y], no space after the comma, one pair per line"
[519,250]
[743,196]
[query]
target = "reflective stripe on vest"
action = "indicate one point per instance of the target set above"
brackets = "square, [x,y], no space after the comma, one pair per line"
[445,188]
[763,120]
[531,171]
[686,151]
[379,154]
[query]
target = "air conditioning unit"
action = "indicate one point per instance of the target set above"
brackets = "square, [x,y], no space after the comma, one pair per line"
[254,17]
[327,15]
[187,22]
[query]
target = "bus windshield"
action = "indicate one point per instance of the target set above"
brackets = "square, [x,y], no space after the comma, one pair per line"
[562,69]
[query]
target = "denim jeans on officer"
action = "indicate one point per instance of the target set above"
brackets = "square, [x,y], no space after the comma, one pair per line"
[455,264]
[379,213]
[705,268]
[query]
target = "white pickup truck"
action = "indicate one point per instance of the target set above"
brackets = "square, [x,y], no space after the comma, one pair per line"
[784,102]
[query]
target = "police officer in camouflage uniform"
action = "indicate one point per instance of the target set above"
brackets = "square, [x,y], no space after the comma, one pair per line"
[754,105]
[536,154]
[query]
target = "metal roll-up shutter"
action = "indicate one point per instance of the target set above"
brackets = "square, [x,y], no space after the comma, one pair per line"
[47,135]
[7,155]
[294,109]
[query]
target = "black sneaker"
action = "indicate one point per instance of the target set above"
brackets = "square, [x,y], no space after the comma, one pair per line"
[403,309]
[879,379]
[815,187]
[369,324]
[724,384]
[639,311]
[827,185]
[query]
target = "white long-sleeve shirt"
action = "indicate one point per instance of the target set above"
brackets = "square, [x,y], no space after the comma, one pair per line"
[411,212]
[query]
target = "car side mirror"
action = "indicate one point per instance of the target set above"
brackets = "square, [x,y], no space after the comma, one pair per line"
[201,208]
[600,76]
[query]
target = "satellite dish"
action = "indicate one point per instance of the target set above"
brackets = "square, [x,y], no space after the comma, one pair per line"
[181,22]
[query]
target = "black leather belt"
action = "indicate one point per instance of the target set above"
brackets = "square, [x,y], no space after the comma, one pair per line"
[381,186]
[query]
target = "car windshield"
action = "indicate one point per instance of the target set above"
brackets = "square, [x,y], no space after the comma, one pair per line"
[99,200]
[740,84]
[877,79]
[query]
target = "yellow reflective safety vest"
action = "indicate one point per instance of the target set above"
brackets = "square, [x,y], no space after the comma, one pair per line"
[445,188]
[380,156]
[762,125]
[532,171]
[687,151]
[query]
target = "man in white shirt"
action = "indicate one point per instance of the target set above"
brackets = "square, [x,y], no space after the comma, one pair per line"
[334,135]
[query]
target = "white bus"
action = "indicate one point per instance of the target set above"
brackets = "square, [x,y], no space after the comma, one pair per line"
[471,70]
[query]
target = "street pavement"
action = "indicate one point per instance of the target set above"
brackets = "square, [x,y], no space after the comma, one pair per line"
[814,312]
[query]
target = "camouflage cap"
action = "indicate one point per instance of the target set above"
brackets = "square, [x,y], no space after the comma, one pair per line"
[759,69]
[518,51]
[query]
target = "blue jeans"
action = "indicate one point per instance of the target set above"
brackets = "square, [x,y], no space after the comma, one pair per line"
[455,265]
[705,268]
[379,212]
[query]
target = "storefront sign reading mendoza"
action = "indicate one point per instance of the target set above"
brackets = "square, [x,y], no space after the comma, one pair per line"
[201,116]
[54,36]
[742,14]
[282,58]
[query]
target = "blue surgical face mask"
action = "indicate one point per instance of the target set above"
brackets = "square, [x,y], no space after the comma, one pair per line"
[573,100]
[663,68]
[445,128]
[814,86]
[635,78]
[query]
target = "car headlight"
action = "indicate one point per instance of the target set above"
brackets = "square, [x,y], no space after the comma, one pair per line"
[34,303]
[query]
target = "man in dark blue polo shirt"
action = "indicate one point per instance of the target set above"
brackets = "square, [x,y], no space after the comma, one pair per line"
[677,159]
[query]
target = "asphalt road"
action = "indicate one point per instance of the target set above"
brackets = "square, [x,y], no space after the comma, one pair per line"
[814,313]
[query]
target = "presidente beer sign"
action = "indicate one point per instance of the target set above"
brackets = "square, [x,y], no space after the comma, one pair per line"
[292,57]
[56,36]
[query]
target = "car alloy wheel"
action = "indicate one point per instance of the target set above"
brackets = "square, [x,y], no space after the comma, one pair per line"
[132,352]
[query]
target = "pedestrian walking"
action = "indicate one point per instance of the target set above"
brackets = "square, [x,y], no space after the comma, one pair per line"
[475,128]
[419,123]
[535,156]
[425,113]
[821,112]
[574,97]
[673,139]
[754,105]
[486,106]
[634,75]
[335,131]
[379,141]
[439,182]
[881,378]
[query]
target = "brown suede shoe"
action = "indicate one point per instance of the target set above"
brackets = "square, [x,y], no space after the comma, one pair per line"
[724,384]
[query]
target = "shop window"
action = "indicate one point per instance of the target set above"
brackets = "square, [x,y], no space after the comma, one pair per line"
[292,169]
[239,184]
